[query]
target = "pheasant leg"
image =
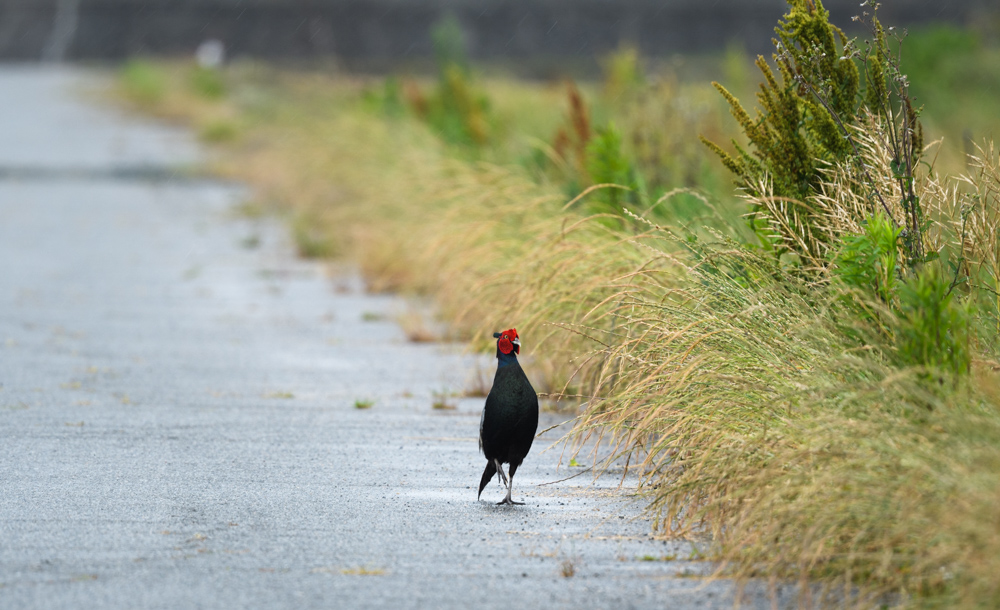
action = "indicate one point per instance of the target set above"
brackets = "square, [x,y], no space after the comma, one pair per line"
[503,477]
[510,488]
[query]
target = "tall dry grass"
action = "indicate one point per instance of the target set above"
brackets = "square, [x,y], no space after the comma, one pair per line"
[749,414]
[760,406]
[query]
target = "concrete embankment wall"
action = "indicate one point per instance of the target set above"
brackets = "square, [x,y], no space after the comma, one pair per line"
[397,30]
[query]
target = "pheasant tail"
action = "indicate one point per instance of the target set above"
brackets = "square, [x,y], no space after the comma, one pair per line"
[488,474]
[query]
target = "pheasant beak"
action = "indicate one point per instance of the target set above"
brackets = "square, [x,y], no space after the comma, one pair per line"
[517,342]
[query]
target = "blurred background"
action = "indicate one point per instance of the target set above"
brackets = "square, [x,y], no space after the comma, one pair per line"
[384,34]
[571,92]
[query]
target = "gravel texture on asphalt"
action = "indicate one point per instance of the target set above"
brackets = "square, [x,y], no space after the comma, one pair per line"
[179,410]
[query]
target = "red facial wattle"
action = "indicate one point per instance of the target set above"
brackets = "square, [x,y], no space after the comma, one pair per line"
[506,347]
[509,342]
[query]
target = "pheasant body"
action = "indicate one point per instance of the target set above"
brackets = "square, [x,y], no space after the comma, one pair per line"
[510,417]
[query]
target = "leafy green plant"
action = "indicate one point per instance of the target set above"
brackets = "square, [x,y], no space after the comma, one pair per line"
[623,75]
[457,110]
[143,81]
[793,131]
[392,98]
[607,164]
[208,82]
[809,121]
[387,100]
[933,329]
[869,260]
[931,326]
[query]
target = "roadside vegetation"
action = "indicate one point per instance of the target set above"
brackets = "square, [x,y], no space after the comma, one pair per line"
[804,365]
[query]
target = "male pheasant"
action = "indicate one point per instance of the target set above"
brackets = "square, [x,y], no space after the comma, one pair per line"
[510,417]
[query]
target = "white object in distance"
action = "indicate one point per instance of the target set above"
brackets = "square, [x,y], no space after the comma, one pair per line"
[211,53]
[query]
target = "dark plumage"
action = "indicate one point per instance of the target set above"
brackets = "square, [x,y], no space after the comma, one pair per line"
[510,417]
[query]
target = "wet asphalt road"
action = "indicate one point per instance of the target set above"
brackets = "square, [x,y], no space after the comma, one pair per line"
[178,421]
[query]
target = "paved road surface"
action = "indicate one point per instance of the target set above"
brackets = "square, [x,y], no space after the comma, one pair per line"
[177,414]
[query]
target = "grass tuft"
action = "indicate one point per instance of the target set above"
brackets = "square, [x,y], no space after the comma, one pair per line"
[219,130]
[442,402]
[567,568]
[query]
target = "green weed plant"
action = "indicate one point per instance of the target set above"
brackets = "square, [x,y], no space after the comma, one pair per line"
[869,260]
[208,82]
[143,81]
[457,109]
